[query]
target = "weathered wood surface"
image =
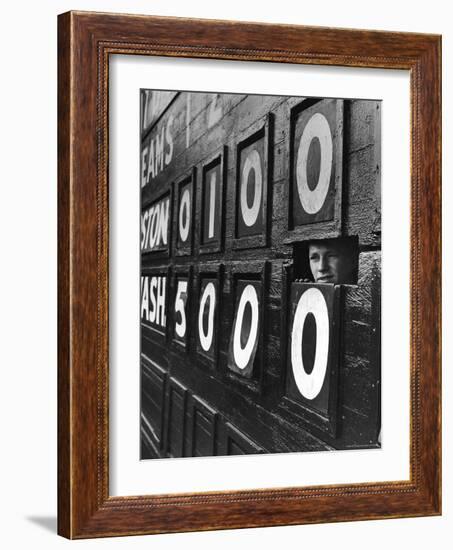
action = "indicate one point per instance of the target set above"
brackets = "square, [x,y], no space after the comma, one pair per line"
[203,125]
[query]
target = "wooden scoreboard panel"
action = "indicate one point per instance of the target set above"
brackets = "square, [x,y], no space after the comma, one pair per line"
[203,428]
[237,443]
[247,325]
[184,220]
[252,190]
[207,316]
[155,226]
[238,355]
[180,304]
[245,333]
[314,195]
[153,383]
[176,410]
[153,302]
[213,186]
[314,168]
[313,354]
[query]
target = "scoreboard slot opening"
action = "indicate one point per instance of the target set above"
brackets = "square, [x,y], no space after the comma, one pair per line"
[325,252]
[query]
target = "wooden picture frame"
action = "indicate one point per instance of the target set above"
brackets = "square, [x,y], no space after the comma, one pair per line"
[85,508]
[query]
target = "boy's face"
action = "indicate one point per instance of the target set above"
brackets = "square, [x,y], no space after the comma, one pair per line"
[329,264]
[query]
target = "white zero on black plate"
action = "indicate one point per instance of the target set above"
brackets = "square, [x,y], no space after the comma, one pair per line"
[242,354]
[207,296]
[312,199]
[250,213]
[311,301]
[184,215]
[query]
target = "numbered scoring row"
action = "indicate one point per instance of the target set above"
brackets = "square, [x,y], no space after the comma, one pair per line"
[311,326]
[311,199]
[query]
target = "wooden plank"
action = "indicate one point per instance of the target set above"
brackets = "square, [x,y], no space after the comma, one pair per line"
[153,381]
[175,418]
[203,428]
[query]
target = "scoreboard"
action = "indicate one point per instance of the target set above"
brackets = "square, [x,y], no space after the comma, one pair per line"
[241,350]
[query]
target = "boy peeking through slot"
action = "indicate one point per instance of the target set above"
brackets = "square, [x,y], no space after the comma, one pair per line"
[332,261]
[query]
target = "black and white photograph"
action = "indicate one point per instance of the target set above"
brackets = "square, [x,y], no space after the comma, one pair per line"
[260,289]
[225,296]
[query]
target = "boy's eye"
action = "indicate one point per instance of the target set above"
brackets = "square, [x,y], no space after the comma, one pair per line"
[314,257]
